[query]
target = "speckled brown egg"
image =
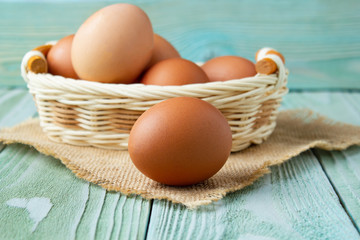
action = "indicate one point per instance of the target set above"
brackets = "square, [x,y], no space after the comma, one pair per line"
[228,67]
[180,141]
[174,71]
[113,45]
[59,58]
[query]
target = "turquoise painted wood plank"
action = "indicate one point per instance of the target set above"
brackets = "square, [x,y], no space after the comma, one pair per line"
[15,106]
[16,168]
[78,209]
[131,218]
[122,217]
[343,170]
[90,217]
[317,38]
[341,167]
[340,106]
[114,216]
[295,201]
[35,177]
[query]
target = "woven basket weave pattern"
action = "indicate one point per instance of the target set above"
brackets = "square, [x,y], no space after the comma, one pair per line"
[96,114]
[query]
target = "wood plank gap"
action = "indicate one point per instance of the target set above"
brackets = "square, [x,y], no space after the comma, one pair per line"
[101,211]
[120,205]
[82,215]
[149,217]
[77,222]
[2,146]
[113,229]
[317,155]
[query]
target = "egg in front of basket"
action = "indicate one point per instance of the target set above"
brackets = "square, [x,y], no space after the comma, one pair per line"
[180,141]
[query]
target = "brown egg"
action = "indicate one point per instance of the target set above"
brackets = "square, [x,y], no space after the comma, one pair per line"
[228,67]
[162,50]
[59,58]
[180,141]
[174,71]
[113,45]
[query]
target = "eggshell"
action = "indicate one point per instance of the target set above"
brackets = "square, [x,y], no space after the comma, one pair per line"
[228,67]
[59,58]
[180,141]
[162,50]
[113,45]
[174,71]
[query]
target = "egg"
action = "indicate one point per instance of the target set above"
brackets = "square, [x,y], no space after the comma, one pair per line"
[180,141]
[228,67]
[174,71]
[113,45]
[162,50]
[59,58]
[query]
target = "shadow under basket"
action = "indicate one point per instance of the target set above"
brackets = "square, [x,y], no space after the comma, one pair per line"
[96,114]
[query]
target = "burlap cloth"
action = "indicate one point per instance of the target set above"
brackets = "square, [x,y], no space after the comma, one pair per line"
[296,131]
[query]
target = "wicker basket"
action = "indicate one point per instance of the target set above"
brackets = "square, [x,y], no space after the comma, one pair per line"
[96,114]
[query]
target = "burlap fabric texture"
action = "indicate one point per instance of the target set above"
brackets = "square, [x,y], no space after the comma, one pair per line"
[296,131]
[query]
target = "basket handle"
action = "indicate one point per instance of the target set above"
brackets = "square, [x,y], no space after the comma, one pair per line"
[35,60]
[268,61]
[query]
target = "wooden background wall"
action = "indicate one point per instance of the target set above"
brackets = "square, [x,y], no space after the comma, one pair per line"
[319,38]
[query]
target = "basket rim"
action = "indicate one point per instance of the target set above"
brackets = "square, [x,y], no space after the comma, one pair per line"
[277,79]
[240,81]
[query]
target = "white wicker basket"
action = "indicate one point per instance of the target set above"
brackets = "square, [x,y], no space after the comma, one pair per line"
[88,113]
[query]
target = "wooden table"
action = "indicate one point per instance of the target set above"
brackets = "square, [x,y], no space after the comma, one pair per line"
[315,195]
